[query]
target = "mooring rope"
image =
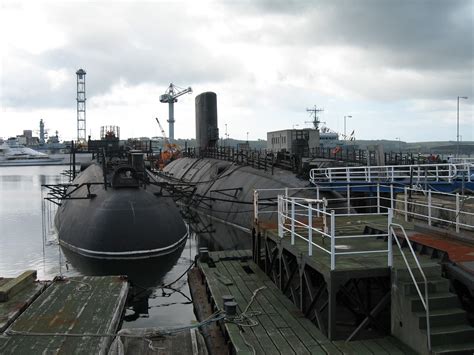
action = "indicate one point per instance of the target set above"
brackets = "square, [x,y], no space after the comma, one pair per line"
[151,334]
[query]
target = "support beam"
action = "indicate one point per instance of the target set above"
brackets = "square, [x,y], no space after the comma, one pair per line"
[377,309]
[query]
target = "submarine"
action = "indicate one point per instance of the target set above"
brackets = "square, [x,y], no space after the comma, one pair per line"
[222,190]
[112,211]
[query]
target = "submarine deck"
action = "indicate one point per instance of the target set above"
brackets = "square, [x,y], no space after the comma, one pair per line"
[279,326]
[71,316]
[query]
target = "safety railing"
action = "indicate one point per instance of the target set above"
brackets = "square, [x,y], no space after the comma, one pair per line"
[265,200]
[461,161]
[416,174]
[425,299]
[296,219]
[432,207]
[436,208]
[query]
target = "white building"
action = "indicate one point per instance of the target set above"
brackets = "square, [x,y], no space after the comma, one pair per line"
[293,141]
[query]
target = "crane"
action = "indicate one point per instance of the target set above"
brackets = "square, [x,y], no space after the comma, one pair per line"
[171,96]
[165,140]
[170,151]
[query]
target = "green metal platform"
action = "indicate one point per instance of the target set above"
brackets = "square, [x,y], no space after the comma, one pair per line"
[78,315]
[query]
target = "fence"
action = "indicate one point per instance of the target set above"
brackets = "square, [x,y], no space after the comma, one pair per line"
[265,200]
[394,173]
[432,207]
[296,219]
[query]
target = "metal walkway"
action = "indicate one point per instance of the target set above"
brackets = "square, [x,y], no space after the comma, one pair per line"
[274,325]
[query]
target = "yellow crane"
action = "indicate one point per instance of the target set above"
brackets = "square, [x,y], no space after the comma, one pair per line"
[170,151]
[166,142]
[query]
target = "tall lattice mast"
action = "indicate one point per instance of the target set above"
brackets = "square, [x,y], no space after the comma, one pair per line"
[81,106]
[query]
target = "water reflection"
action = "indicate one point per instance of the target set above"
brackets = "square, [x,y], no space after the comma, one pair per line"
[146,277]
[21,239]
[22,248]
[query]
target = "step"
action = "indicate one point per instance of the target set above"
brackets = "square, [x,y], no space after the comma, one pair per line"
[451,334]
[454,349]
[442,317]
[436,301]
[434,286]
[431,271]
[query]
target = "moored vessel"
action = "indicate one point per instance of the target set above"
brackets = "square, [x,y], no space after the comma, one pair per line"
[111,210]
[14,154]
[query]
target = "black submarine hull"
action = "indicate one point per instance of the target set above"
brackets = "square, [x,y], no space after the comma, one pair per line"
[118,223]
[224,190]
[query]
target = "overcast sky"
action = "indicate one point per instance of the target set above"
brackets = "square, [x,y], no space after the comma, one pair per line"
[397,67]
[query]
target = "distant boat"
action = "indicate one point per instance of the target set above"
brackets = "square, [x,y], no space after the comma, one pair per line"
[14,154]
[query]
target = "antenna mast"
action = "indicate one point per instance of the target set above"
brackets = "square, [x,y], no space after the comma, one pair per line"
[314,113]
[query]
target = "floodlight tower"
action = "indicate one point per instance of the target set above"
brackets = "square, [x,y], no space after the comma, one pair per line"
[81,106]
[170,97]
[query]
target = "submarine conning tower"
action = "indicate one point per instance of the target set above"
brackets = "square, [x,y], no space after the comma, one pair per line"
[207,131]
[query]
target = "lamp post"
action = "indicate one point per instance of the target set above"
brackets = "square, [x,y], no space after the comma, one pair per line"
[295,125]
[226,136]
[345,136]
[247,137]
[457,134]
[399,144]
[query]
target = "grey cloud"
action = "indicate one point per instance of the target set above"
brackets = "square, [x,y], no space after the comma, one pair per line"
[137,44]
[427,34]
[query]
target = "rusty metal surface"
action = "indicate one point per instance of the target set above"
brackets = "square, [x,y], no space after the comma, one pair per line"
[79,305]
[457,250]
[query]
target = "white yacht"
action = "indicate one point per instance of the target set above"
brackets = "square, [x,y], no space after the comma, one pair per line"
[14,154]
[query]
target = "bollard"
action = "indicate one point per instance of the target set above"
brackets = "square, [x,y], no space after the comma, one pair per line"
[203,254]
[230,308]
[227,298]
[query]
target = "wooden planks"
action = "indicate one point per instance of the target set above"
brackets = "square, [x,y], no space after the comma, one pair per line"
[78,305]
[17,303]
[282,328]
[14,286]
[213,336]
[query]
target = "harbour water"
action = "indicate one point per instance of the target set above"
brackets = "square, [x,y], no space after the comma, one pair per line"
[23,246]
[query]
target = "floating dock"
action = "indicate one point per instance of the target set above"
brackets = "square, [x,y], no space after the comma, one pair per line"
[16,294]
[271,324]
[78,315]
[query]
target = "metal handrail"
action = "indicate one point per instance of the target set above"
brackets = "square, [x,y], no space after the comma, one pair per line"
[456,216]
[285,190]
[286,212]
[431,172]
[424,301]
